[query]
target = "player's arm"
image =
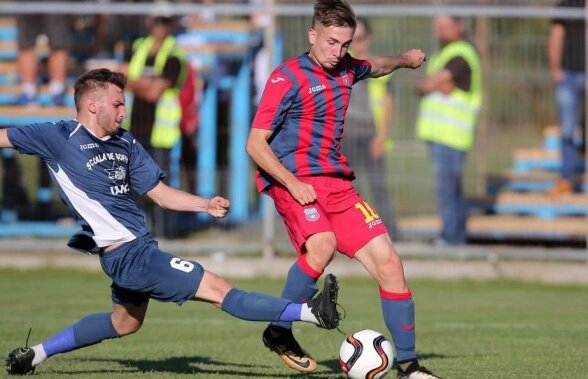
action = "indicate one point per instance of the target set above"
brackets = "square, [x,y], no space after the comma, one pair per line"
[384,65]
[262,154]
[177,200]
[4,141]
[554,51]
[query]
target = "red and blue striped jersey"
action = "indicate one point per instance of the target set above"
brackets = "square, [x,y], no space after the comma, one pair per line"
[304,106]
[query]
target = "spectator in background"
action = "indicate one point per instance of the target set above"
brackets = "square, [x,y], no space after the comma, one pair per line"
[116,32]
[449,108]
[157,71]
[367,129]
[566,50]
[57,29]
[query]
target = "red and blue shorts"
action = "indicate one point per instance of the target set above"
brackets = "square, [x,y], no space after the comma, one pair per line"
[338,209]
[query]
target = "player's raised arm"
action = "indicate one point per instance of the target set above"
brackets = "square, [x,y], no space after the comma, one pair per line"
[384,65]
[4,142]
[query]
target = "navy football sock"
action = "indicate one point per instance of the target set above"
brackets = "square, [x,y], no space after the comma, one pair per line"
[255,306]
[398,310]
[90,330]
[300,285]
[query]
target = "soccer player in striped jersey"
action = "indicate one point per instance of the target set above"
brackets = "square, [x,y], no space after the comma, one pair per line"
[95,165]
[295,141]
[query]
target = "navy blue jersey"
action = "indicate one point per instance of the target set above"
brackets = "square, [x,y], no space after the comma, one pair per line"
[94,176]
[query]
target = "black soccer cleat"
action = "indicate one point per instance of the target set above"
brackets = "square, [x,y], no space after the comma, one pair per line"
[324,305]
[282,342]
[416,371]
[20,361]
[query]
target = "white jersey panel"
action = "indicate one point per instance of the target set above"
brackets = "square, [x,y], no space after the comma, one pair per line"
[107,230]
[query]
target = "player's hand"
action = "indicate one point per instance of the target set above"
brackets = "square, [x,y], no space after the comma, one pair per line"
[414,58]
[218,207]
[302,192]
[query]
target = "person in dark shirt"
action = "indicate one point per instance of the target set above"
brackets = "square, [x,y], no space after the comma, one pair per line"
[566,52]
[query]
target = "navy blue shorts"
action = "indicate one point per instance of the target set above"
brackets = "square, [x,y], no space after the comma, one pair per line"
[140,270]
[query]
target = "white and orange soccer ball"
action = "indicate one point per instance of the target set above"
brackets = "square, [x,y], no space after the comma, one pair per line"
[366,354]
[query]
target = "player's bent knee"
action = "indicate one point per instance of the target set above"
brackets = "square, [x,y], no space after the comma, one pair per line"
[321,249]
[128,319]
[127,326]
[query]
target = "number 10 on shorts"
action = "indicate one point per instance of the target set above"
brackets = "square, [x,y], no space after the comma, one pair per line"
[369,213]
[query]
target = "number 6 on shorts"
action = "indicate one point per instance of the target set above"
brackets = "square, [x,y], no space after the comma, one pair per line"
[181,265]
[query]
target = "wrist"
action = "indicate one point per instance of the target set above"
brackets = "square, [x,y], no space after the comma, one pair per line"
[404,61]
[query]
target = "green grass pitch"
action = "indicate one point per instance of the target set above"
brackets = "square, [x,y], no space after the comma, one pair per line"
[465,329]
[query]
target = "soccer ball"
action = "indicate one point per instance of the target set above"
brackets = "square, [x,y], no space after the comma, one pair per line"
[366,354]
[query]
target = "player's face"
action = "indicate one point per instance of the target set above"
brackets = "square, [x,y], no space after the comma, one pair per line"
[110,110]
[329,44]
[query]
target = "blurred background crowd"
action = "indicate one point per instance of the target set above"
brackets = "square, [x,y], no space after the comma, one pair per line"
[522,177]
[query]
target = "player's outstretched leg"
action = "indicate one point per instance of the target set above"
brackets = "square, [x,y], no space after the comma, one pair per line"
[20,361]
[253,306]
[90,330]
[282,342]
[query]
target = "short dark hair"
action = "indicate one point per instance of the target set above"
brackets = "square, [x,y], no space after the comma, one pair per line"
[98,78]
[333,13]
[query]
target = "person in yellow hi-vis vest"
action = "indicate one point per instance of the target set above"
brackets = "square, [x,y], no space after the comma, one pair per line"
[448,113]
[367,131]
[156,72]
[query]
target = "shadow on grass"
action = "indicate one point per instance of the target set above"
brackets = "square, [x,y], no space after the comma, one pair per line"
[205,365]
[201,366]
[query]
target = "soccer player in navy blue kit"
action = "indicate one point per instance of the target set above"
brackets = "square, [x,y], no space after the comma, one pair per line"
[295,140]
[95,165]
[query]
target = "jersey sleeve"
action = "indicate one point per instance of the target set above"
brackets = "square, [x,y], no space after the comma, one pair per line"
[275,102]
[361,68]
[42,140]
[145,173]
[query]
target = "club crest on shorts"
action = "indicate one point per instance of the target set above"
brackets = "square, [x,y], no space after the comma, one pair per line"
[311,214]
